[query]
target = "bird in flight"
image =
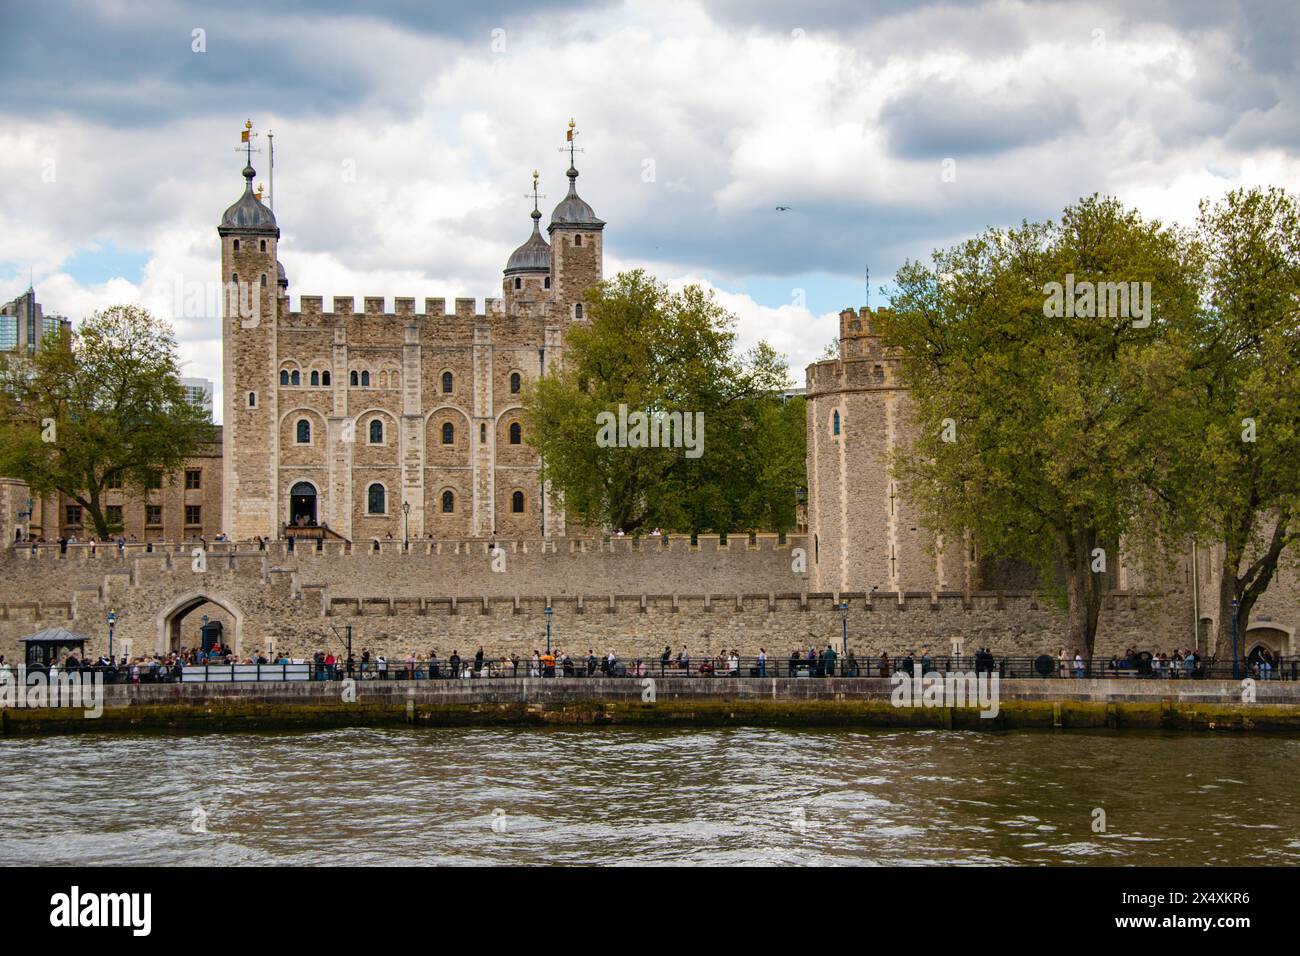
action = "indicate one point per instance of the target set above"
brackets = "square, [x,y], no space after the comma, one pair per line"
[782,208]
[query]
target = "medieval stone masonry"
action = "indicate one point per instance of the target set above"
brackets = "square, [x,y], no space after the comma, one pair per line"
[350,432]
[394,424]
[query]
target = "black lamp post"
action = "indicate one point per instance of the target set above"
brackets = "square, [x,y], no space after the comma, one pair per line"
[406,514]
[112,620]
[548,628]
[844,618]
[27,517]
[1236,673]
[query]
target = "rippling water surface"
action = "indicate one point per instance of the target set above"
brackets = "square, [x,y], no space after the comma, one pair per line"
[645,796]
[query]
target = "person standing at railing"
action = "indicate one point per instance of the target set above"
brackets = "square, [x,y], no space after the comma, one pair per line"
[1078,666]
[762,662]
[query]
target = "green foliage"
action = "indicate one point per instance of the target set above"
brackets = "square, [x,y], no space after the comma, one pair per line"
[651,349]
[108,404]
[1246,368]
[1063,424]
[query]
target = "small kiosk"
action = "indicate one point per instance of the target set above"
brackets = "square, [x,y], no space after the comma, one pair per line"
[51,646]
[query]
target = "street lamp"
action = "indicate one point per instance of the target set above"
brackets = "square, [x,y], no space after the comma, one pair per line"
[27,517]
[112,620]
[844,617]
[1236,673]
[406,514]
[548,628]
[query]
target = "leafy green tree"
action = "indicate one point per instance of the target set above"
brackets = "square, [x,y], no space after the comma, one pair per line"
[103,408]
[650,349]
[1245,482]
[1042,429]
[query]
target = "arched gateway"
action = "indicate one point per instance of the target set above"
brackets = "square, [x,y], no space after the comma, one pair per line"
[168,620]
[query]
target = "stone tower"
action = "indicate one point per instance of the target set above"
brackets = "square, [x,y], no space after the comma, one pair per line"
[864,533]
[251,278]
[576,236]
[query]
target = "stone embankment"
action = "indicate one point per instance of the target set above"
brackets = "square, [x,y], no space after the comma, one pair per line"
[672,702]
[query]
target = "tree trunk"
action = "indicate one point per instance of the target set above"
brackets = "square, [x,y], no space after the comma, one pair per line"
[1083,589]
[1246,585]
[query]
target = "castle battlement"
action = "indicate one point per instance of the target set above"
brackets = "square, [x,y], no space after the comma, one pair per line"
[862,363]
[373,548]
[404,309]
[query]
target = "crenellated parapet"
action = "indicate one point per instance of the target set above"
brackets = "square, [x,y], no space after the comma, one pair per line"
[311,311]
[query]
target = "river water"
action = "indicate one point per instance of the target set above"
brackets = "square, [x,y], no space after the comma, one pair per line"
[613,796]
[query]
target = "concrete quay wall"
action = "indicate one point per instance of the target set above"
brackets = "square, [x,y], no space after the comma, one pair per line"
[827,702]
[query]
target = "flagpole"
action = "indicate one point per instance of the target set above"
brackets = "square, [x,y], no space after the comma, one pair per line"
[270,196]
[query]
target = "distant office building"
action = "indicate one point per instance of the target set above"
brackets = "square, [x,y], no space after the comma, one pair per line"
[199,391]
[24,325]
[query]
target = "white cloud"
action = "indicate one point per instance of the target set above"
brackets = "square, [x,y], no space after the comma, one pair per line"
[442,134]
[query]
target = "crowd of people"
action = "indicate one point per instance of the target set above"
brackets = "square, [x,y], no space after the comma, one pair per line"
[809,662]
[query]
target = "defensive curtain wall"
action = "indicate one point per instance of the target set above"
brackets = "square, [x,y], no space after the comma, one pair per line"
[631,597]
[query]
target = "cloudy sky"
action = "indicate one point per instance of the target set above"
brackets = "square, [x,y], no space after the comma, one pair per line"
[405,139]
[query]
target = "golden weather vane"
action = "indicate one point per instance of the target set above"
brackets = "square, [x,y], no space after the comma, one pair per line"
[246,138]
[535,194]
[570,137]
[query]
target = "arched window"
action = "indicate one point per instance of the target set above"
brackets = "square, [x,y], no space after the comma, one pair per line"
[448,503]
[577,240]
[446,383]
[546,283]
[519,282]
[354,378]
[315,378]
[482,434]
[284,376]
[263,247]
[394,380]
[448,433]
[515,383]
[376,431]
[382,379]
[252,399]
[295,378]
[835,424]
[236,245]
[517,502]
[304,432]
[325,379]
[263,280]
[375,499]
[577,311]
[365,379]
[516,433]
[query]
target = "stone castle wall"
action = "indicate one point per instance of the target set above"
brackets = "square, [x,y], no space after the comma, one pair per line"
[617,595]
